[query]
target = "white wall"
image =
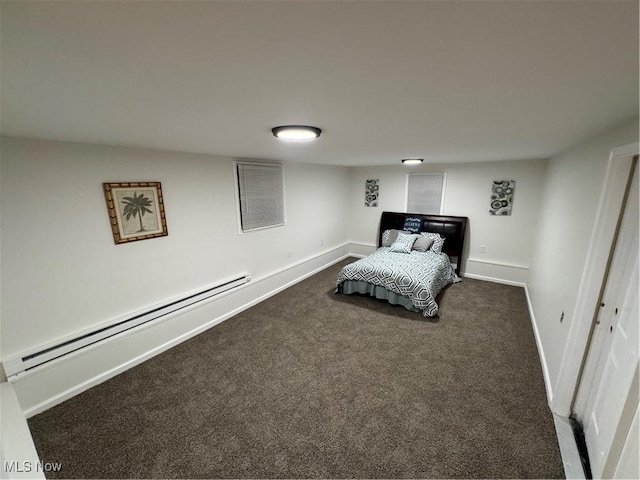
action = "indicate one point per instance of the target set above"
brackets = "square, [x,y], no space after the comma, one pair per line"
[508,240]
[62,272]
[572,191]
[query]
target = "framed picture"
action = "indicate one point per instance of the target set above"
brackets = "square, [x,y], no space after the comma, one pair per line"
[371,191]
[136,210]
[502,197]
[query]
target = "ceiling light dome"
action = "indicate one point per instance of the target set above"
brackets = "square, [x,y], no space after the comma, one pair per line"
[296,132]
[412,161]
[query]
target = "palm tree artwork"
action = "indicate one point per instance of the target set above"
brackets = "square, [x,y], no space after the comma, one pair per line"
[136,206]
[136,210]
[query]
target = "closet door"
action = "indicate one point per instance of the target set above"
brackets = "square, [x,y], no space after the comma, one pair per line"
[606,395]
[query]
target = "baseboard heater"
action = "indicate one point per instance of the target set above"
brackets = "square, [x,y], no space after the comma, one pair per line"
[48,353]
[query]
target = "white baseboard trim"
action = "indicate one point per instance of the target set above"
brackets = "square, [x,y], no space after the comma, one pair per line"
[543,359]
[496,272]
[492,279]
[41,389]
[361,250]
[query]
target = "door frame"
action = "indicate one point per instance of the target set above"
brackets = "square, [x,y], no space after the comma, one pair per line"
[593,276]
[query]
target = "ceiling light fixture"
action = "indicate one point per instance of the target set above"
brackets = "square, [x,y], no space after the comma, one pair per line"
[412,161]
[296,132]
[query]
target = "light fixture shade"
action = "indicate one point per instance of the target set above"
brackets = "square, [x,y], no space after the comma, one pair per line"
[412,161]
[296,132]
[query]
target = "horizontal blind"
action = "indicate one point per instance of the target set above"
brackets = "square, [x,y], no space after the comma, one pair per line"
[424,194]
[261,189]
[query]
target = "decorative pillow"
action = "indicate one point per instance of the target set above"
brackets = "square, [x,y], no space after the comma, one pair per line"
[422,243]
[389,237]
[412,224]
[438,241]
[403,243]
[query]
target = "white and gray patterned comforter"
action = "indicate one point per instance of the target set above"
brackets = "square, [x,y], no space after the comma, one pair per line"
[419,276]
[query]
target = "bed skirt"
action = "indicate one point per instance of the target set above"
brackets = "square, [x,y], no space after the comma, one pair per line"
[357,286]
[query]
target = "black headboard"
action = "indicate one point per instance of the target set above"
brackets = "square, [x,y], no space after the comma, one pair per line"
[452,229]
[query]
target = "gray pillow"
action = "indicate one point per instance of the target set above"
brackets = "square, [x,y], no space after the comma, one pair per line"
[438,241]
[422,243]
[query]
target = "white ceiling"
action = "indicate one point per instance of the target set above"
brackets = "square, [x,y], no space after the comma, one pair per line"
[450,81]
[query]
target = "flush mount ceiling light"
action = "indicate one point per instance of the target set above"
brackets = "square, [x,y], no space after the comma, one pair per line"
[412,161]
[296,132]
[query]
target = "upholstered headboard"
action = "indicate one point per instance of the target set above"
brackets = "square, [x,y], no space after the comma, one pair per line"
[452,229]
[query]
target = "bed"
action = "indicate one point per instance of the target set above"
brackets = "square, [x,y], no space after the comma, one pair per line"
[417,256]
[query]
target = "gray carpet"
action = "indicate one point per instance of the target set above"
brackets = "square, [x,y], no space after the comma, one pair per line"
[312,384]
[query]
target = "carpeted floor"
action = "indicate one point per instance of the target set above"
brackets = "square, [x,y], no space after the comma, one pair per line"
[312,384]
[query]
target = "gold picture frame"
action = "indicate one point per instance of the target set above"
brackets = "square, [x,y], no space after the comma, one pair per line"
[136,210]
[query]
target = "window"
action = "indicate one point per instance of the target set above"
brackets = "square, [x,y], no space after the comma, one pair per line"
[260,195]
[425,193]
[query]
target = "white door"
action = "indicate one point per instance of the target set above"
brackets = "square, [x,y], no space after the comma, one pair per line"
[605,389]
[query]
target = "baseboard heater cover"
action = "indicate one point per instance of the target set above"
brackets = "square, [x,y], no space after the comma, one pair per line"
[48,353]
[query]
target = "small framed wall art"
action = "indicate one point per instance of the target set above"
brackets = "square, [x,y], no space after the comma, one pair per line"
[502,197]
[371,191]
[136,210]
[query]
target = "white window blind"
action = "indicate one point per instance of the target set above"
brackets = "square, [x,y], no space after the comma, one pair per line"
[261,195]
[424,193]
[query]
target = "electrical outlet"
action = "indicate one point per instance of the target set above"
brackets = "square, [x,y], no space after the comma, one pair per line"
[482,249]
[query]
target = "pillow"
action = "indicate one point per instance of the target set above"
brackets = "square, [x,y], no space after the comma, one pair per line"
[412,224]
[389,237]
[403,243]
[438,241]
[422,243]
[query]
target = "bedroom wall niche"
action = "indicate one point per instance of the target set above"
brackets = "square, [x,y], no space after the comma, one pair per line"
[507,240]
[63,274]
